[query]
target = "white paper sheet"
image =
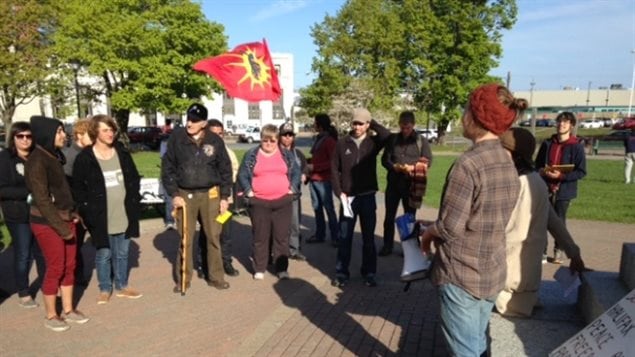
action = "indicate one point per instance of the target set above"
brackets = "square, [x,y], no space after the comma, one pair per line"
[347,204]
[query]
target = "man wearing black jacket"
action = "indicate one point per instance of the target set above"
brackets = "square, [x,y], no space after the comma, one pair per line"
[196,173]
[354,180]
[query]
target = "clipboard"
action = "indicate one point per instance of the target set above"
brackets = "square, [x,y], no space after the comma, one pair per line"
[562,168]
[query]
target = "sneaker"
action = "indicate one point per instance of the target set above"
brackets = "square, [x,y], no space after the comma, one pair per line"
[259,276]
[28,304]
[557,257]
[128,293]
[229,270]
[170,226]
[544,259]
[298,256]
[283,275]
[56,324]
[369,280]
[75,317]
[385,251]
[103,298]
[339,282]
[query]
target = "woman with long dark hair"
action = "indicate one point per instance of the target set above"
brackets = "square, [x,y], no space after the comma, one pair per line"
[13,200]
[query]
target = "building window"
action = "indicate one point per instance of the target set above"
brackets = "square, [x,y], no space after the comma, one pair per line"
[253,109]
[277,67]
[278,108]
[228,105]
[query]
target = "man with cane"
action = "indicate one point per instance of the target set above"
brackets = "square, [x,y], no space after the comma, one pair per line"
[196,174]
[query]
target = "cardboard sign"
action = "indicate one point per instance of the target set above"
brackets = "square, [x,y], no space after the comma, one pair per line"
[612,334]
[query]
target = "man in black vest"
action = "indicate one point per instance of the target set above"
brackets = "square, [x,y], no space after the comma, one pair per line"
[404,150]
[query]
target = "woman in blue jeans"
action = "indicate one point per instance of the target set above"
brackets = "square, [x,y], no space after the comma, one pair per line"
[13,200]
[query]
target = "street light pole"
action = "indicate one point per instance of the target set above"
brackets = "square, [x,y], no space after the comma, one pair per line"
[76,65]
[630,101]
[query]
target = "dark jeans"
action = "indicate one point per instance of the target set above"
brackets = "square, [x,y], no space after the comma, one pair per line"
[561,207]
[270,219]
[395,192]
[363,206]
[322,200]
[25,249]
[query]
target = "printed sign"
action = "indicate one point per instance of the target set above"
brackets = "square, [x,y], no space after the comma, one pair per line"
[612,334]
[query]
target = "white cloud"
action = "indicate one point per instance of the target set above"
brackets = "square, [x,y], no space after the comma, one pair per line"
[278,8]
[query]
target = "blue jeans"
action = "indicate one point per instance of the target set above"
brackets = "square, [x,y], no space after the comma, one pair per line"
[363,206]
[464,320]
[322,199]
[25,249]
[113,262]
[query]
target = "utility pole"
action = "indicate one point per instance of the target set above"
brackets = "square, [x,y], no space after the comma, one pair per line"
[531,103]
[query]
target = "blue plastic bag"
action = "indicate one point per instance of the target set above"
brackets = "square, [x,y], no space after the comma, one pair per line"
[405,225]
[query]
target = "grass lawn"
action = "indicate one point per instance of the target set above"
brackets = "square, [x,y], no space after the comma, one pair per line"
[602,195]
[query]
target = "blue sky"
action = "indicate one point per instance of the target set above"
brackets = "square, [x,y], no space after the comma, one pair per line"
[555,43]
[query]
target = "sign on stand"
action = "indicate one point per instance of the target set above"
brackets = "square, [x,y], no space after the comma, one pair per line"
[612,334]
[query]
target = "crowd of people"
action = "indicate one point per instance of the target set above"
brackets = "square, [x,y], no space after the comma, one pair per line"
[495,211]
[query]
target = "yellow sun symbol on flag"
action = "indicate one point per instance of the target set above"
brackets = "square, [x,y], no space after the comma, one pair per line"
[257,72]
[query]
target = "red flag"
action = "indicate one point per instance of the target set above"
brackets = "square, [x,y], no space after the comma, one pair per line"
[247,72]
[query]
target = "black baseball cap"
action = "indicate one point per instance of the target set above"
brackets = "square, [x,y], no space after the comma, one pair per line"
[196,112]
[286,128]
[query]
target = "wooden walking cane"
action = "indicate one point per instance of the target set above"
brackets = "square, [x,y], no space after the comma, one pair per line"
[183,245]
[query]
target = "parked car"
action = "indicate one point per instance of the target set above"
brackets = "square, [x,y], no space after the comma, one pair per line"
[149,136]
[591,124]
[525,123]
[546,122]
[251,134]
[430,134]
[617,135]
[626,123]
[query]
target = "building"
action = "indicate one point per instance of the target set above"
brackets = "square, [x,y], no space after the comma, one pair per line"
[587,103]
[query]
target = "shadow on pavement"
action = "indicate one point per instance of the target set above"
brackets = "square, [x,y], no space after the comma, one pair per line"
[313,304]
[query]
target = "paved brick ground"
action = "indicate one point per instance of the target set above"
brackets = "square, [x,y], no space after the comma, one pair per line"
[303,316]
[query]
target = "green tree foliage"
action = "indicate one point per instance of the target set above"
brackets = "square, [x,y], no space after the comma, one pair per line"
[142,51]
[423,54]
[24,52]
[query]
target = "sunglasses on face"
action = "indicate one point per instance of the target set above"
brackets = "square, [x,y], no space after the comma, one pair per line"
[269,140]
[358,123]
[288,134]
[23,136]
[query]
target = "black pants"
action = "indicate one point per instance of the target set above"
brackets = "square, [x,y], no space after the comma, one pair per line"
[271,219]
[395,192]
[561,207]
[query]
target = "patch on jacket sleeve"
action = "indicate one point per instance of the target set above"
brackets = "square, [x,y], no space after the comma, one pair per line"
[208,150]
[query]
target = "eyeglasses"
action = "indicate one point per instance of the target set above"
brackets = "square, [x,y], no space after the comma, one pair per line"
[269,140]
[288,134]
[24,136]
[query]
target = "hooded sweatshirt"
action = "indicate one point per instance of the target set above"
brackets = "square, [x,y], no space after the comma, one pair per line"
[44,173]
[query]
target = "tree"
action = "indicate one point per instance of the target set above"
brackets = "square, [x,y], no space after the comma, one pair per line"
[426,54]
[142,51]
[361,42]
[24,52]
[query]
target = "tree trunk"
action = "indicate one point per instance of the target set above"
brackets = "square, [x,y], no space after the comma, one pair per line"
[122,116]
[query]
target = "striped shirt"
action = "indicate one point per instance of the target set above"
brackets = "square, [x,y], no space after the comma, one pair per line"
[479,195]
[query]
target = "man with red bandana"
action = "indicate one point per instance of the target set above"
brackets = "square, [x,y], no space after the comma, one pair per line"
[563,148]
[479,195]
